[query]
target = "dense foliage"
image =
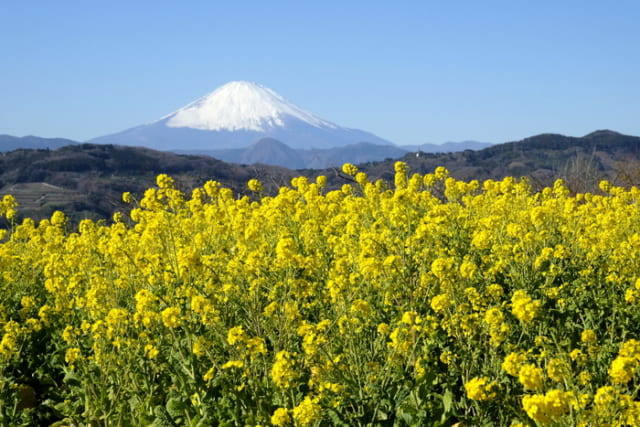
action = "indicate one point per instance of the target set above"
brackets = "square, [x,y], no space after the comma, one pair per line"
[429,301]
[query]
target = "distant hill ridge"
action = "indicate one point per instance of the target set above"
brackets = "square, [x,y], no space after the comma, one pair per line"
[581,161]
[270,151]
[273,152]
[89,179]
[9,143]
[599,138]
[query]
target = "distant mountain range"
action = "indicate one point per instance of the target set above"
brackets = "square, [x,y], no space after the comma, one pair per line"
[269,151]
[9,143]
[86,180]
[273,152]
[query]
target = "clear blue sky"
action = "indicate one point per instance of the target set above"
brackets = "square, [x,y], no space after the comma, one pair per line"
[408,71]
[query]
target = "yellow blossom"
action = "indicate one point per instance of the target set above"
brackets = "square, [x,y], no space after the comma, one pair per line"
[481,388]
[588,336]
[524,307]
[255,186]
[308,411]
[440,302]
[513,362]
[171,317]
[280,417]
[233,364]
[622,369]
[531,377]
[282,371]
[72,355]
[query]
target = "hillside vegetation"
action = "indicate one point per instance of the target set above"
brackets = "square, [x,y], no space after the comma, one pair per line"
[580,162]
[87,180]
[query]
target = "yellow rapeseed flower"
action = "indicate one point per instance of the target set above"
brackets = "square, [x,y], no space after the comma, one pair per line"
[481,388]
[531,377]
[513,362]
[349,169]
[622,369]
[171,317]
[283,373]
[524,307]
[589,336]
[308,411]
[255,186]
[280,417]
[440,302]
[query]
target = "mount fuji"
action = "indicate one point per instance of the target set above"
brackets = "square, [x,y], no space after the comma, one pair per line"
[235,116]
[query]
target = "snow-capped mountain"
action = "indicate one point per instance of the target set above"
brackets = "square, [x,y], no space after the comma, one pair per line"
[241,106]
[235,116]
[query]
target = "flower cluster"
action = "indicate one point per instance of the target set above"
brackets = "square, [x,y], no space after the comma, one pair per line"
[481,388]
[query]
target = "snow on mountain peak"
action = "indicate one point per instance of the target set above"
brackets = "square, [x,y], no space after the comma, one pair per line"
[241,106]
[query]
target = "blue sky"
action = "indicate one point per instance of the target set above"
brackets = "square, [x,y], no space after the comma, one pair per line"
[409,71]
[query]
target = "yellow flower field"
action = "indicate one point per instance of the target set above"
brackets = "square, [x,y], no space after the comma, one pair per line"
[426,301]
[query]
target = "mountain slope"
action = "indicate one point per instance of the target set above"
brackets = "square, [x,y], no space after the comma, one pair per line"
[241,106]
[270,151]
[362,152]
[235,116]
[87,180]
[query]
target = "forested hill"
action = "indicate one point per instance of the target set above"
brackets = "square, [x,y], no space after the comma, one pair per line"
[87,180]
[582,162]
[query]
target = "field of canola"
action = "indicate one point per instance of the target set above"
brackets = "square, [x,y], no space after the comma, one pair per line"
[427,301]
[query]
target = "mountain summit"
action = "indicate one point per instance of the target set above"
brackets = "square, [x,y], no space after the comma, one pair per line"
[242,106]
[237,115]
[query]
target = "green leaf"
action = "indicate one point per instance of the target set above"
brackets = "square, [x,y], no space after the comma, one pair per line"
[134,402]
[176,407]
[336,419]
[72,379]
[406,418]
[162,417]
[447,401]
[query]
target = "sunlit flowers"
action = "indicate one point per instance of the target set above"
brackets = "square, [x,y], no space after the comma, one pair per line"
[308,411]
[531,376]
[283,371]
[547,407]
[424,300]
[524,307]
[481,388]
